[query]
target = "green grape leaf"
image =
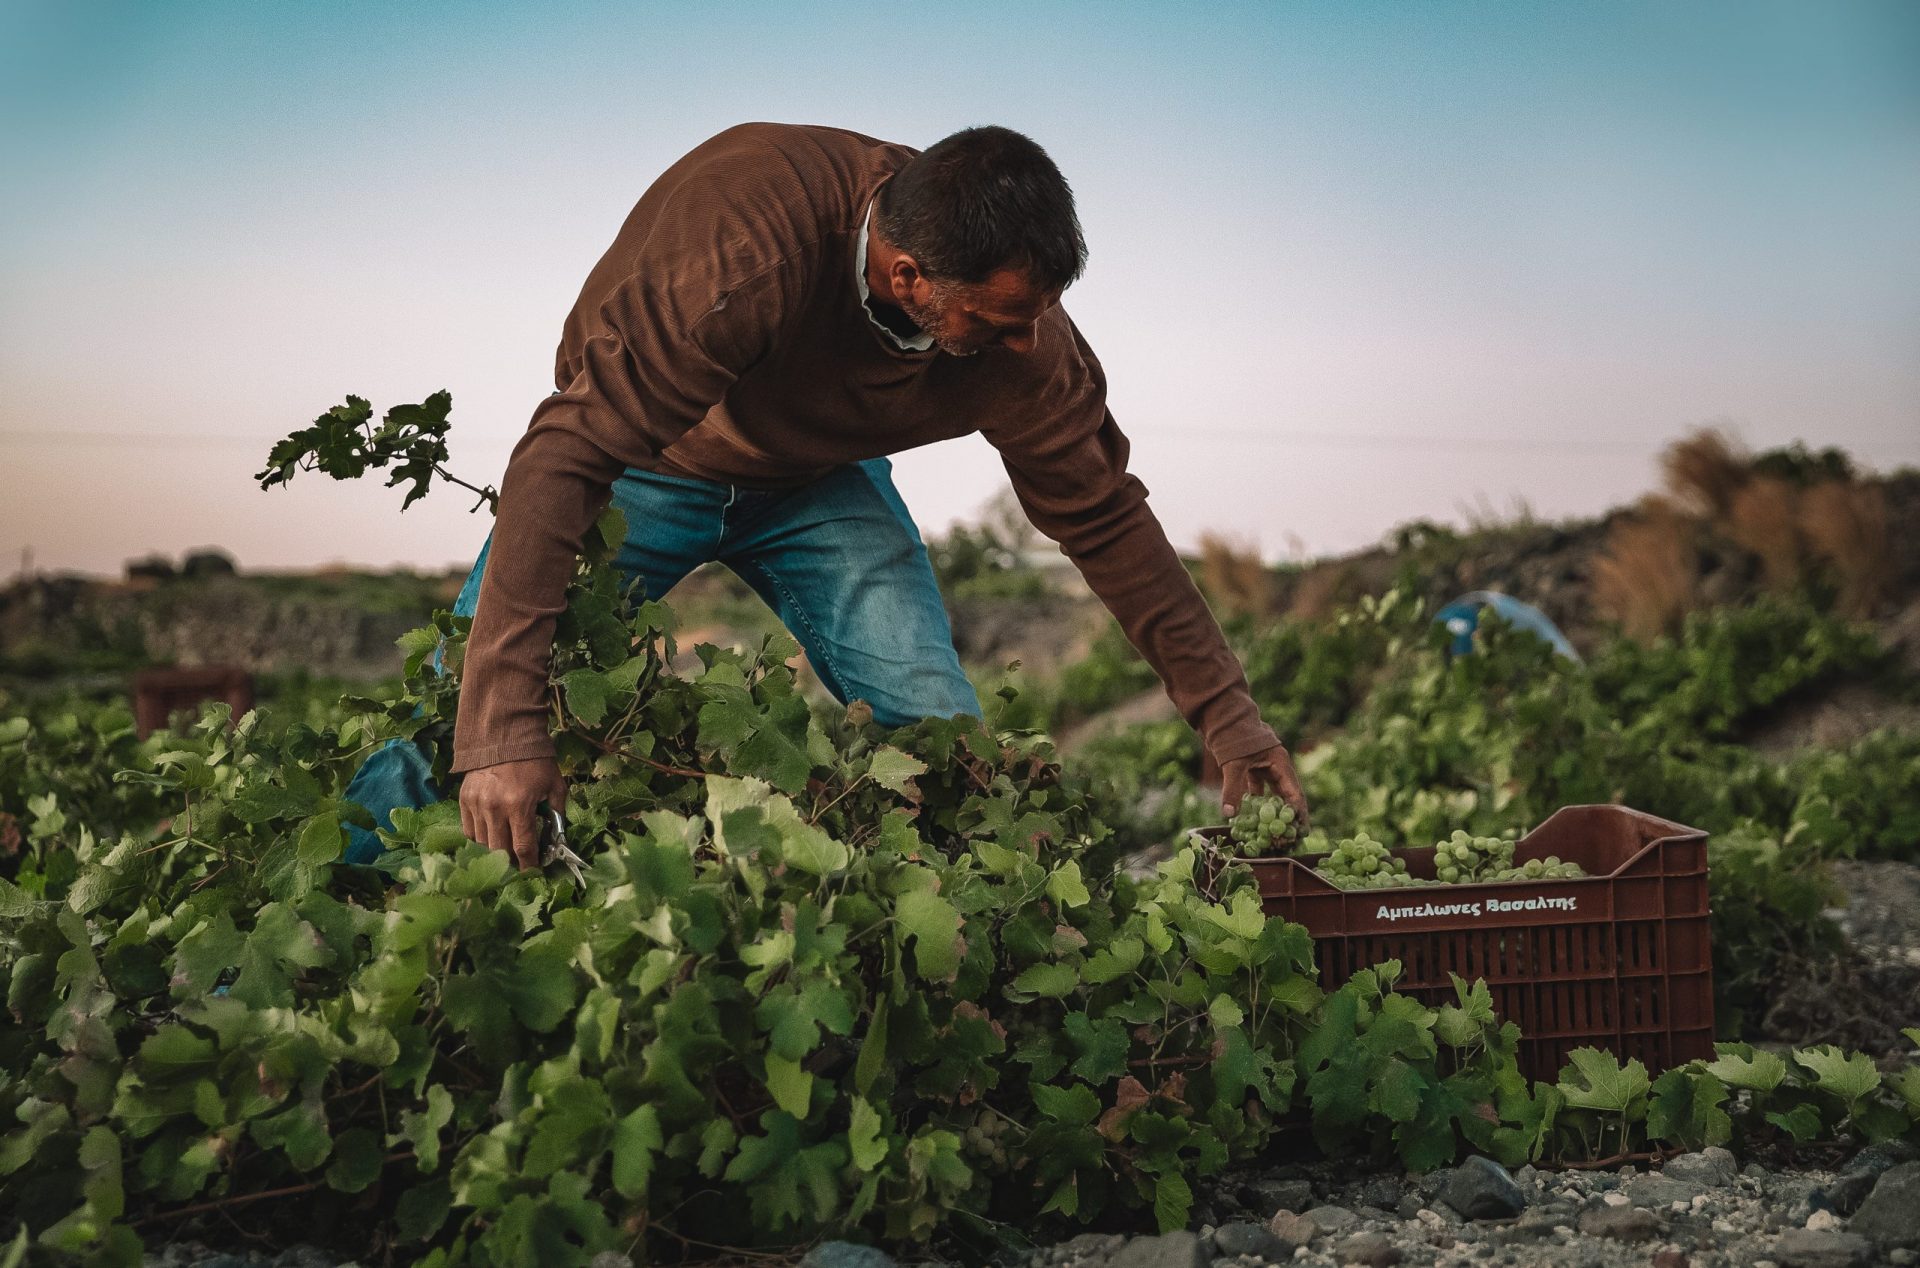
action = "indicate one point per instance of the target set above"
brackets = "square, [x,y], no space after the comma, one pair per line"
[865,1142]
[1738,1066]
[1598,1081]
[1172,1201]
[1065,887]
[933,924]
[895,771]
[636,1140]
[1687,1108]
[791,1086]
[1848,1076]
[1047,981]
[1802,1122]
[1102,1046]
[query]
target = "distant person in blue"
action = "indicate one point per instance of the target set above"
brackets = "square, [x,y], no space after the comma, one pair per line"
[1462,618]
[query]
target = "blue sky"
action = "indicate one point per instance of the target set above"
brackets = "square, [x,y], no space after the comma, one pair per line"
[1351,263]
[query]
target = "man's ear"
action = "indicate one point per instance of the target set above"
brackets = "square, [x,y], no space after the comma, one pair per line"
[905,280]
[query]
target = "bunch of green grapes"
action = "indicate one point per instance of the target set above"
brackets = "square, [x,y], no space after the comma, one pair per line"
[1463,859]
[1549,868]
[1363,863]
[1265,825]
[984,1137]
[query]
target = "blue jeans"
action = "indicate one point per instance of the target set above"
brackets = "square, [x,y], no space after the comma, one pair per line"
[838,560]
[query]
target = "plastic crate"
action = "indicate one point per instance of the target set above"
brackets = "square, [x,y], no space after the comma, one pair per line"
[158,694]
[1620,959]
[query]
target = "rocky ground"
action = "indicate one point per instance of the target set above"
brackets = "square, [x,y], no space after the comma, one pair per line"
[1700,1210]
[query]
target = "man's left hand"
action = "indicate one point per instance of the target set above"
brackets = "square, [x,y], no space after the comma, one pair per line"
[1271,772]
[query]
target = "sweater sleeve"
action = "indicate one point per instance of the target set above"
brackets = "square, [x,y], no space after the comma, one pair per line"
[1068,462]
[660,359]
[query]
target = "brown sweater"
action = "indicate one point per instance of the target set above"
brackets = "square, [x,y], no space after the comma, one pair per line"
[722,337]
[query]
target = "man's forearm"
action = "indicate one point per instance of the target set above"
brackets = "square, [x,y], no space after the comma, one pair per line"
[1127,561]
[555,486]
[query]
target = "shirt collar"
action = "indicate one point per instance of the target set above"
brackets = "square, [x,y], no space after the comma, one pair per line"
[919,343]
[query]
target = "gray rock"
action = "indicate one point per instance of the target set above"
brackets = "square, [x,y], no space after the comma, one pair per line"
[1242,1238]
[1094,1247]
[1809,1200]
[1384,1192]
[1890,1216]
[1621,1223]
[1481,1189]
[1294,1230]
[1658,1192]
[1534,1224]
[304,1256]
[1829,1248]
[1711,1168]
[1864,1171]
[846,1255]
[1169,1250]
[1279,1195]
[1332,1219]
[1371,1249]
[1409,1207]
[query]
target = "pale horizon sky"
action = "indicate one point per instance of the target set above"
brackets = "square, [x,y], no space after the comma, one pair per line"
[1351,265]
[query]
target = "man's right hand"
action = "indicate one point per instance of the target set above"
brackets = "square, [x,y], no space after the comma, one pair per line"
[499,805]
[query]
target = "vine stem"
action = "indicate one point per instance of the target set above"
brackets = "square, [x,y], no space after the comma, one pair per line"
[238,1199]
[818,814]
[619,750]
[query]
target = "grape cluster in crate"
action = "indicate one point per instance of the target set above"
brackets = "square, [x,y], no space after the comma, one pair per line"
[1267,826]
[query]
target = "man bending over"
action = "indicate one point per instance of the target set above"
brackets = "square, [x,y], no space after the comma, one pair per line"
[783,308]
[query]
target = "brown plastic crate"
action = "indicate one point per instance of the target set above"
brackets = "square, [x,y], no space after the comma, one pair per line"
[1620,959]
[158,694]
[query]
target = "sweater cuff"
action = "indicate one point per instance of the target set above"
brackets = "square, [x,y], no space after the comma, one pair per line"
[472,759]
[1242,739]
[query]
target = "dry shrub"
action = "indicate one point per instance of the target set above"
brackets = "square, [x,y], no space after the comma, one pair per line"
[1763,519]
[1705,470]
[1316,593]
[1845,527]
[1645,574]
[1234,576]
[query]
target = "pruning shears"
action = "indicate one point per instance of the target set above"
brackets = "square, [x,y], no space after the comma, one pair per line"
[555,848]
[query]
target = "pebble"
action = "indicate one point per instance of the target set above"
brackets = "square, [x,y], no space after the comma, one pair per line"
[1279,1195]
[1621,1223]
[1332,1219]
[1712,1167]
[1807,1248]
[1383,1192]
[1481,1189]
[1294,1230]
[1169,1250]
[846,1255]
[1369,1249]
[1671,1257]
[1242,1238]
[1616,1199]
[1822,1221]
[1655,1192]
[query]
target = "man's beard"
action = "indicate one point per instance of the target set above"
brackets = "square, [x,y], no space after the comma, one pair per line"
[927,318]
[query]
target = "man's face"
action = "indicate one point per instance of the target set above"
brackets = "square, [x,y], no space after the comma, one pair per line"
[962,319]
